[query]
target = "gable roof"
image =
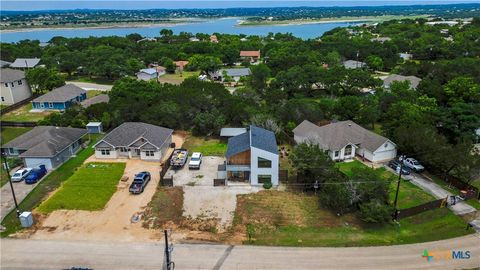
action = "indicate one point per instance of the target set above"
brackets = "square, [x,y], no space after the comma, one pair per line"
[414,81]
[61,94]
[230,132]
[129,132]
[180,63]
[236,72]
[25,62]
[11,75]
[250,53]
[255,137]
[337,135]
[45,141]
[103,98]
[149,71]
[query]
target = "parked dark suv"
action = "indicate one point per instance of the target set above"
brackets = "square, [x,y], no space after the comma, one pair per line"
[394,164]
[139,182]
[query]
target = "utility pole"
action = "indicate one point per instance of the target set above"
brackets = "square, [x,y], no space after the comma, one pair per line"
[395,215]
[168,249]
[11,184]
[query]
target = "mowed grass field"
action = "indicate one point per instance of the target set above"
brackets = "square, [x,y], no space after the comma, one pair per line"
[279,218]
[23,114]
[89,188]
[206,146]
[409,194]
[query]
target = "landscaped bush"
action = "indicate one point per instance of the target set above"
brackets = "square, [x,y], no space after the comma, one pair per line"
[267,185]
[375,212]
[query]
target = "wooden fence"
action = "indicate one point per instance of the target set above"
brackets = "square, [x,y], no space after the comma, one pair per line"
[17,105]
[403,213]
[472,192]
[18,124]
[166,181]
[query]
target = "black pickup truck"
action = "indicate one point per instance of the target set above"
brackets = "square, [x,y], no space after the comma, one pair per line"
[139,182]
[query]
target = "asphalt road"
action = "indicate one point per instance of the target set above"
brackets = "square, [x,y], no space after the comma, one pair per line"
[47,254]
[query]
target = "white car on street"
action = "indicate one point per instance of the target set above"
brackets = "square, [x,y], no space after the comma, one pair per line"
[21,174]
[413,164]
[195,161]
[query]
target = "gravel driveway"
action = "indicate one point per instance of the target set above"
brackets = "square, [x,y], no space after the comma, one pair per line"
[6,201]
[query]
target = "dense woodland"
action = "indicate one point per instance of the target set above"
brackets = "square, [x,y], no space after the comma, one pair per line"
[299,79]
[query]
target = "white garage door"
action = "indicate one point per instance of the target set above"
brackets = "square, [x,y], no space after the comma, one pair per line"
[384,155]
[35,162]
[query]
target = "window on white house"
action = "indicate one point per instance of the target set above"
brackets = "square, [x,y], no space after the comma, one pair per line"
[105,152]
[123,149]
[337,153]
[12,84]
[149,153]
[20,82]
[264,163]
[50,105]
[386,145]
[3,99]
[348,150]
[6,84]
[264,178]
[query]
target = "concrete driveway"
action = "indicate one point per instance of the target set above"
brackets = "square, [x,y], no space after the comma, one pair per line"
[6,201]
[201,199]
[114,222]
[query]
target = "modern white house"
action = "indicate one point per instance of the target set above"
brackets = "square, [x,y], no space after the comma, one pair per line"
[252,157]
[135,140]
[46,145]
[343,140]
[14,87]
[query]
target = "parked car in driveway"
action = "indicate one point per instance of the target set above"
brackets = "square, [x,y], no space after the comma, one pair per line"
[21,174]
[395,165]
[35,175]
[413,164]
[195,161]
[139,182]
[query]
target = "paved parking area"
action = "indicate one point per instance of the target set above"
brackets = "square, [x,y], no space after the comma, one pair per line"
[6,201]
[202,177]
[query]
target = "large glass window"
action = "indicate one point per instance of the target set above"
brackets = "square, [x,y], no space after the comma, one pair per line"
[264,178]
[105,152]
[264,163]
[348,150]
[337,153]
[149,153]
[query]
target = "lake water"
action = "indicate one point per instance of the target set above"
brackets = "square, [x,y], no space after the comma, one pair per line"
[227,26]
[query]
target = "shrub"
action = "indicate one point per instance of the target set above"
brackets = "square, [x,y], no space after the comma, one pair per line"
[375,212]
[267,185]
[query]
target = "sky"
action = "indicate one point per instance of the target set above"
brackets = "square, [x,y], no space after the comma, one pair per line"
[27,5]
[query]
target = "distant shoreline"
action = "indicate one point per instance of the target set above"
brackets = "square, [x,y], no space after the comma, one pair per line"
[246,23]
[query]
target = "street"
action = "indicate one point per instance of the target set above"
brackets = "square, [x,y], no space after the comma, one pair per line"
[48,254]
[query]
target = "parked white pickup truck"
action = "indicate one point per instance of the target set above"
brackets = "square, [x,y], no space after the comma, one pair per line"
[413,164]
[195,161]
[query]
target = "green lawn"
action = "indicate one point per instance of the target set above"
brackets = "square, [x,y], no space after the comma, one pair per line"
[409,194]
[89,188]
[277,218]
[206,146]
[23,114]
[93,93]
[47,185]
[177,78]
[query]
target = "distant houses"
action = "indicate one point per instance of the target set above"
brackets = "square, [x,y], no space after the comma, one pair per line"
[180,65]
[380,39]
[151,73]
[24,63]
[213,39]
[250,56]
[14,87]
[46,145]
[405,56]
[343,140]
[353,64]
[235,74]
[413,80]
[60,98]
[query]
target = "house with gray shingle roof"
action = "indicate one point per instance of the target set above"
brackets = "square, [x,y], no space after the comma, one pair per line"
[135,140]
[4,63]
[60,98]
[23,63]
[252,157]
[413,80]
[343,140]
[13,86]
[352,64]
[46,145]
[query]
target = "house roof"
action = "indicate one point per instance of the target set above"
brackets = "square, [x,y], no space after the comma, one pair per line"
[181,63]
[61,94]
[231,132]
[236,72]
[4,63]
[94,124]
[380,39]
[129,132]
[255,137]
[11,75]
[149,71]
[414,81]
[250,53]
[103,98]
[352,64]
[25,62]
[337,135]
[45,141]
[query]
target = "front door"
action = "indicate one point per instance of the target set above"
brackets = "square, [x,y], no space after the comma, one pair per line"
[137,152]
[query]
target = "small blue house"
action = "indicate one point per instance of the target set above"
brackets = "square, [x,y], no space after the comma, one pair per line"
[60,98]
